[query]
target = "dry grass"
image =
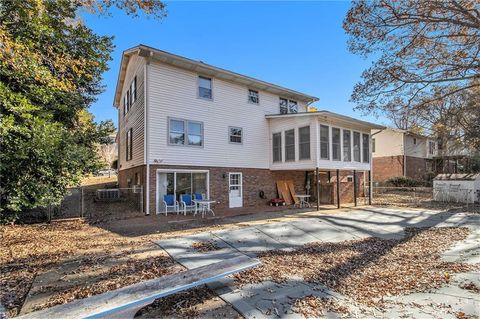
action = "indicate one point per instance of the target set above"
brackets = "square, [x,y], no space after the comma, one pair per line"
[367,269]
[98,180]
[205,246]
[26,250]
[315,307]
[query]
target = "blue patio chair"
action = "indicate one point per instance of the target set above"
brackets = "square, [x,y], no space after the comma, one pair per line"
[170,202]
[186,203]
[198,196]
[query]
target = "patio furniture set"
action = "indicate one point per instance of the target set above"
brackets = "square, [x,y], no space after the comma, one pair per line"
[188,203]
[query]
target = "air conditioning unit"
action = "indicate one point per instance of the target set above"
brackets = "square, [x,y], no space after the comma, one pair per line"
[108,194]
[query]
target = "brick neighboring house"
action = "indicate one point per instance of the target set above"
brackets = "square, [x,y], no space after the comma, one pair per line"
[399,152]
[186,126]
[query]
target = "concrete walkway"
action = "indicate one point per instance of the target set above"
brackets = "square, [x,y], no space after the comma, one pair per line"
[271,300]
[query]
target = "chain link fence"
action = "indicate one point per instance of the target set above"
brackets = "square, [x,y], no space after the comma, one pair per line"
[92,203]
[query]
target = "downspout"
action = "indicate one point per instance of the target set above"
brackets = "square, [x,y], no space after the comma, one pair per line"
[404,155]
[145,139]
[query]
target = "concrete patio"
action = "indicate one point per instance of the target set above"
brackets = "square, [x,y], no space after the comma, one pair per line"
[271,300]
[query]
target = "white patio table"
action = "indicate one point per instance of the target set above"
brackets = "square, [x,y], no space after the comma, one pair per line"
[303,200]
[204,206]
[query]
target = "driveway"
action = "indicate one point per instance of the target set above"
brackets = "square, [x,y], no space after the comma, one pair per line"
[272,300]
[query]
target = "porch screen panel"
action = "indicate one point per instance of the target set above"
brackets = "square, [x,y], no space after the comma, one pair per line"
[277,147]
[199,183]
[347,146]
[356,146]
[324,142]
[336,153]
[366,148]
[304,142]
[290,145]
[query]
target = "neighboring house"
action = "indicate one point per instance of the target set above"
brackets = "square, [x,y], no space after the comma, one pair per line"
[186,126]
[399,152]
[108,152]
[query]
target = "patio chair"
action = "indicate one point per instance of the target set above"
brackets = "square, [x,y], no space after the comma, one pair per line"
[170,202]
[187,204]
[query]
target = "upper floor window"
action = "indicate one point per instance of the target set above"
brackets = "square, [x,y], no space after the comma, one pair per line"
[235,135]
[324,142]
[130,96]
[336,152]
[356,146]
[183,132]
[431,147]
[290,145]
[253,97]
[288,106]
[133,90]
[277,147]
[366,148]
[205,87]
[414,141]
[129,145]
[304,142]
[347,146]
[373,145]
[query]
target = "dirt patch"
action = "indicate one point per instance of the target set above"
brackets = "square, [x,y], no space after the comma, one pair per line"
[314,306]
[205,246]
[367,269]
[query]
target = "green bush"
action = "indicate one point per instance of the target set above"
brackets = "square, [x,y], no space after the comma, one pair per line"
[402,181]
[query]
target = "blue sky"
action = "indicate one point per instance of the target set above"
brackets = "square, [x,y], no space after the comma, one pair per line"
[299,45]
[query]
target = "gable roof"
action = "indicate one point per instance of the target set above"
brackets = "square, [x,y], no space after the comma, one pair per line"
[203,69]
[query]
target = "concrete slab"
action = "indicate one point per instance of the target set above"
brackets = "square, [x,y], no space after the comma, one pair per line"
[287,234]
[249,240]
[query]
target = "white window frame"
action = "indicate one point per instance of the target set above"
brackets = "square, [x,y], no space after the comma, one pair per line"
[280,160]
[230,135]
[292,144]
[339,143]
[300,143]
[211,87]
[343,145]
[328,142]
[185,132]
[253,94]
[129,145]
[359,147]
[366,160]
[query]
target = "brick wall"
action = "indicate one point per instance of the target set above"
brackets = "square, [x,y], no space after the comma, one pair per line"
[386,167]
[416,167]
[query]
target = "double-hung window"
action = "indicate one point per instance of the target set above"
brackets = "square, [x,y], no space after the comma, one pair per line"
[133,90]
[324,142]
[366,148]
[205,87]
[283,106]
[304,142]
[336,152]
[292,106]
[347,146]
[183,132]
[290,145]
[235,135]
[356,146]
[253,97]
[277,147]
[129,145]
[431,147]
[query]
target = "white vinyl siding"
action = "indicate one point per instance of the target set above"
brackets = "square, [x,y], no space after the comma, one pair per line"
[173,94]
[133,119]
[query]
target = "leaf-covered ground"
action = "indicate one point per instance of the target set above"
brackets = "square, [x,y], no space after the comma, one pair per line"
[367,269]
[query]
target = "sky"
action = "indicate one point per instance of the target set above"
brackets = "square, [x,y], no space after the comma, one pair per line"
[299,45]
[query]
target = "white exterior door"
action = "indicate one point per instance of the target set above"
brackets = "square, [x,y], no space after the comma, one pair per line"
[235,190]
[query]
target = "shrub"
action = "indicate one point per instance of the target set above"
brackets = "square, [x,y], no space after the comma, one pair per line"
[402,181]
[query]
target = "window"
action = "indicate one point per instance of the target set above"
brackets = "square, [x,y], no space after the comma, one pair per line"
[336,152]
[431,147]
[304,142]
[356,146]
[324,142]
[195,134]
[373,145]
[288,106]
[292,106]
[290,145]
[235,135]
[366,148]
[253,97]
[125,105]
[182,132]
[414,141]
[128,101]
[350,178]
[283,106]
[133,90]
[347,146]
[205,87]
[277,147]
[129,146]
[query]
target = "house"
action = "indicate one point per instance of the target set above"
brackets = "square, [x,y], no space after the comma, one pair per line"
[398,152]
[186,126]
